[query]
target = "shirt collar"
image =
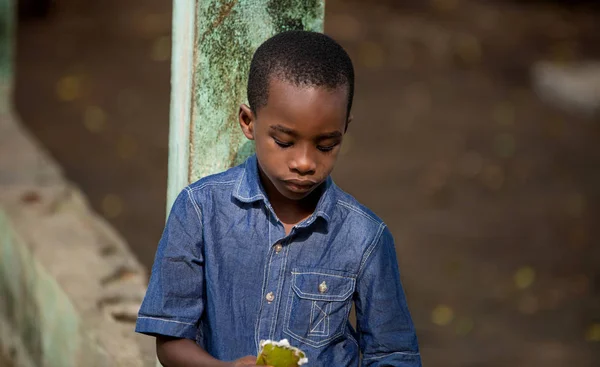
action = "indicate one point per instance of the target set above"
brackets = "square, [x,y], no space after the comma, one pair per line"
[249,189]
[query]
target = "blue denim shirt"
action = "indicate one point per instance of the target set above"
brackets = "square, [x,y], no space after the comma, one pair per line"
[227,276]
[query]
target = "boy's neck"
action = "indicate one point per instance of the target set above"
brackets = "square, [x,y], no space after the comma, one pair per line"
[290,212]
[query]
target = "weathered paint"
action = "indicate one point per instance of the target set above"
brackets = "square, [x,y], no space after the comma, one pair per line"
[6,53]
[181,96]
[213,43]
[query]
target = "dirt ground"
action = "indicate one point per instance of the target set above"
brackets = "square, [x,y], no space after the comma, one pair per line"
[492,196]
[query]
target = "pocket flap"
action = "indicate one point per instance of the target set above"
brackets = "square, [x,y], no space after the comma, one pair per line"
[322,285]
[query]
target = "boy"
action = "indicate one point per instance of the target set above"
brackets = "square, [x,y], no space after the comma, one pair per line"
[273,249]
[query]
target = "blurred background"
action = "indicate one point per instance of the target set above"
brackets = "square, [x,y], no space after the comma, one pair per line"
[475,138]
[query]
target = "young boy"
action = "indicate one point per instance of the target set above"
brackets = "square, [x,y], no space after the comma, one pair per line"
[273,249]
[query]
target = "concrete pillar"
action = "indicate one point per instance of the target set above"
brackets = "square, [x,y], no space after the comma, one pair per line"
[213,44]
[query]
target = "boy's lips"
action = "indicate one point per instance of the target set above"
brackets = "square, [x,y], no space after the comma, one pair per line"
[299,185]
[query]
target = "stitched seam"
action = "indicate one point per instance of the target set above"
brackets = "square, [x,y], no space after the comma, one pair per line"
[371,248]
[237,190]
[159,319]
[326,319]
[349,336]
[267,281]
[277,295]
[262,301]
[317,273]
[289,331]
[314,218]
[340,297]
[196,207]
[323,214]
[279,290]
[389,354]
[316,344]
[359,211]
[330,193]
[322,320]
[259,196]
[328,298]
[212,183]
[346,327]
[313,304]
[324,297]
[288,309]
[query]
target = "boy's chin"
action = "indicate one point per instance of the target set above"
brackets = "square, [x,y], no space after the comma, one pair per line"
[293,194]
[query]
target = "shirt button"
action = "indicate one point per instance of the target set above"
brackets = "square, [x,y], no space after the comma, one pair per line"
[270,297]
[278,248]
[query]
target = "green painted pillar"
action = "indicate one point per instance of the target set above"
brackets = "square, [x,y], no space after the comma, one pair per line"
[213,44]
[6,54]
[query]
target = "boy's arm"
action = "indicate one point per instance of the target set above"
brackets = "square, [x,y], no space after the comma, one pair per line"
[386,332]
[173,352]
[174,301]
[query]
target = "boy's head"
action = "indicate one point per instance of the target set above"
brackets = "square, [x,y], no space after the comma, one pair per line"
[300,91]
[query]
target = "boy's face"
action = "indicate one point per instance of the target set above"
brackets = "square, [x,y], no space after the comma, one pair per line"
[298,135]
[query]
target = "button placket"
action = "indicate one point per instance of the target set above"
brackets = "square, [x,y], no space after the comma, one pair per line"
[272,288]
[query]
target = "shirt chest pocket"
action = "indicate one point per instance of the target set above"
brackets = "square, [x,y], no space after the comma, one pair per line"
[318,305]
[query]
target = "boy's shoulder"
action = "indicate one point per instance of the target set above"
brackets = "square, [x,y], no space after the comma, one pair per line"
[354,209]
[219,181]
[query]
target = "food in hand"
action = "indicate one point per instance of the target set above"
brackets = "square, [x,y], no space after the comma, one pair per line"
[280,354]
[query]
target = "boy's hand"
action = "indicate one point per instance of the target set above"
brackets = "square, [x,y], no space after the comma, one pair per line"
[248,361]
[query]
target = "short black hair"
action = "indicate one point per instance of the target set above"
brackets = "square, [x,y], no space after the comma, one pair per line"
[302,58]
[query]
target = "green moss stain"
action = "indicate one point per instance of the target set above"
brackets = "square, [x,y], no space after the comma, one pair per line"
[290,15]
[223,51]
[227,34]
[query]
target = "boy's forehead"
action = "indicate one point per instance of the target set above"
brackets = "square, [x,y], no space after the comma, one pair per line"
[284,93]
[309,110]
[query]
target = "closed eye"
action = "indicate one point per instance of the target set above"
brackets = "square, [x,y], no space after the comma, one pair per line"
[327,148]
[282,144]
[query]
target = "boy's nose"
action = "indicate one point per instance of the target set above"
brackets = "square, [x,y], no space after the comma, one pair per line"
[303,164]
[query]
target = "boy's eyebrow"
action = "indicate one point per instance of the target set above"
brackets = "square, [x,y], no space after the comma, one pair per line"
[284,130]
[331,135]
[288,131]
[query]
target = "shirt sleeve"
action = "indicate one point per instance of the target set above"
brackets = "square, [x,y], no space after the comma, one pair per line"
[386,333]
[173,302]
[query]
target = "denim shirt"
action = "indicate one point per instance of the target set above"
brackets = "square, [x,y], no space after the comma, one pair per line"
[227,276]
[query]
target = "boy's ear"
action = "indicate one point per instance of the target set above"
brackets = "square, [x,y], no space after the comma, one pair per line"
[350,118]
[246,117]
